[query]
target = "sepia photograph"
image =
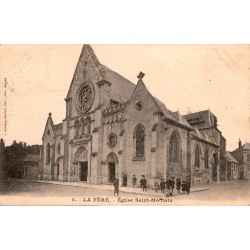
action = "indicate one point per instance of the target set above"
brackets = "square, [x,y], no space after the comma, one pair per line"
[125,125]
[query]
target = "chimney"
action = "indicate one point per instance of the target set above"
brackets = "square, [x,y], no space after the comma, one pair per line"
[240,143]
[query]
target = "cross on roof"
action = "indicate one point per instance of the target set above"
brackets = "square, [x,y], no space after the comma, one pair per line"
[140,76]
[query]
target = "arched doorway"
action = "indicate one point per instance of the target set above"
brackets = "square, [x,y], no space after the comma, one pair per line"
[214,167]
[81,159]
[112,161]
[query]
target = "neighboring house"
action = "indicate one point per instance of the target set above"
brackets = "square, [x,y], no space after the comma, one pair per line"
[232,167]
[242,155]
[31,167]
[113,127]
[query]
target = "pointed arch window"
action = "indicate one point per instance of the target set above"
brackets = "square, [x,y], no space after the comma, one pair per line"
[174,148]
[48,154]
[197,157]
[139,142]
[206,159]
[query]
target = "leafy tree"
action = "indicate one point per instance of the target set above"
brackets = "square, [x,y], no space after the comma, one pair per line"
[15,155]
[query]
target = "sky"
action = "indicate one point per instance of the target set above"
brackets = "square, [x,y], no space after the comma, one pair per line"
[184,77]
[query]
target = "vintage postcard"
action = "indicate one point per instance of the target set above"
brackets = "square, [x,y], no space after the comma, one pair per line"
[125,125]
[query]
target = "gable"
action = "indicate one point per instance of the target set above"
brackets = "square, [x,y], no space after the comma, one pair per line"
[87,72]
[48,131]
[141,96]
[90,71]
[87,69]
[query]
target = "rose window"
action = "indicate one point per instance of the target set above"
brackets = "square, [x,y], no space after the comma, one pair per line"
[85,97]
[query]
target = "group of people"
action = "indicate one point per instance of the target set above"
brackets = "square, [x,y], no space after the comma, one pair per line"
[167,185]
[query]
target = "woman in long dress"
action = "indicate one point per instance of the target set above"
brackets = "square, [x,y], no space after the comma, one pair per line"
[116,186]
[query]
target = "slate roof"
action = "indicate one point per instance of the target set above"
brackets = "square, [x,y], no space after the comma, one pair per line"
[32,158]
[246,146]
[203,136]
[230,158]
[172,116]
[58,126]
[121,88]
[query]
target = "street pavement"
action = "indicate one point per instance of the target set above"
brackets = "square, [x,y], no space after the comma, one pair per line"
[122,189]
[22,192]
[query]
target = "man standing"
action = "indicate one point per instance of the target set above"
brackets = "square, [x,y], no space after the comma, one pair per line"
[172,184]
[141,181]
[183,187]
[178,185]
[134,180]
[144,184]
[162,185]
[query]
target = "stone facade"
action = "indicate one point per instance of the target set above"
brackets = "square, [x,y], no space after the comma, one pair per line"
[232,167]
[114,128]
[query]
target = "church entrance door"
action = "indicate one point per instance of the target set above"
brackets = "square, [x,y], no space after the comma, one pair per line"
[111,172]
[83,171]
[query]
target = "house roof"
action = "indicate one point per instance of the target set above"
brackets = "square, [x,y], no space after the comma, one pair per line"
[230,158]
[32,158]
[246,146]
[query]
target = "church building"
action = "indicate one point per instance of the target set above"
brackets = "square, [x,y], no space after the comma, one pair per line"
[114,127]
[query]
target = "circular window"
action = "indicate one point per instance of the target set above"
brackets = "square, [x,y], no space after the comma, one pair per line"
[85,97]
[48,132]
[58,148]
[112,140]
[139,106]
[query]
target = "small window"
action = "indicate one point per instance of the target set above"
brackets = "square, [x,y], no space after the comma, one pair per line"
[139,106]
